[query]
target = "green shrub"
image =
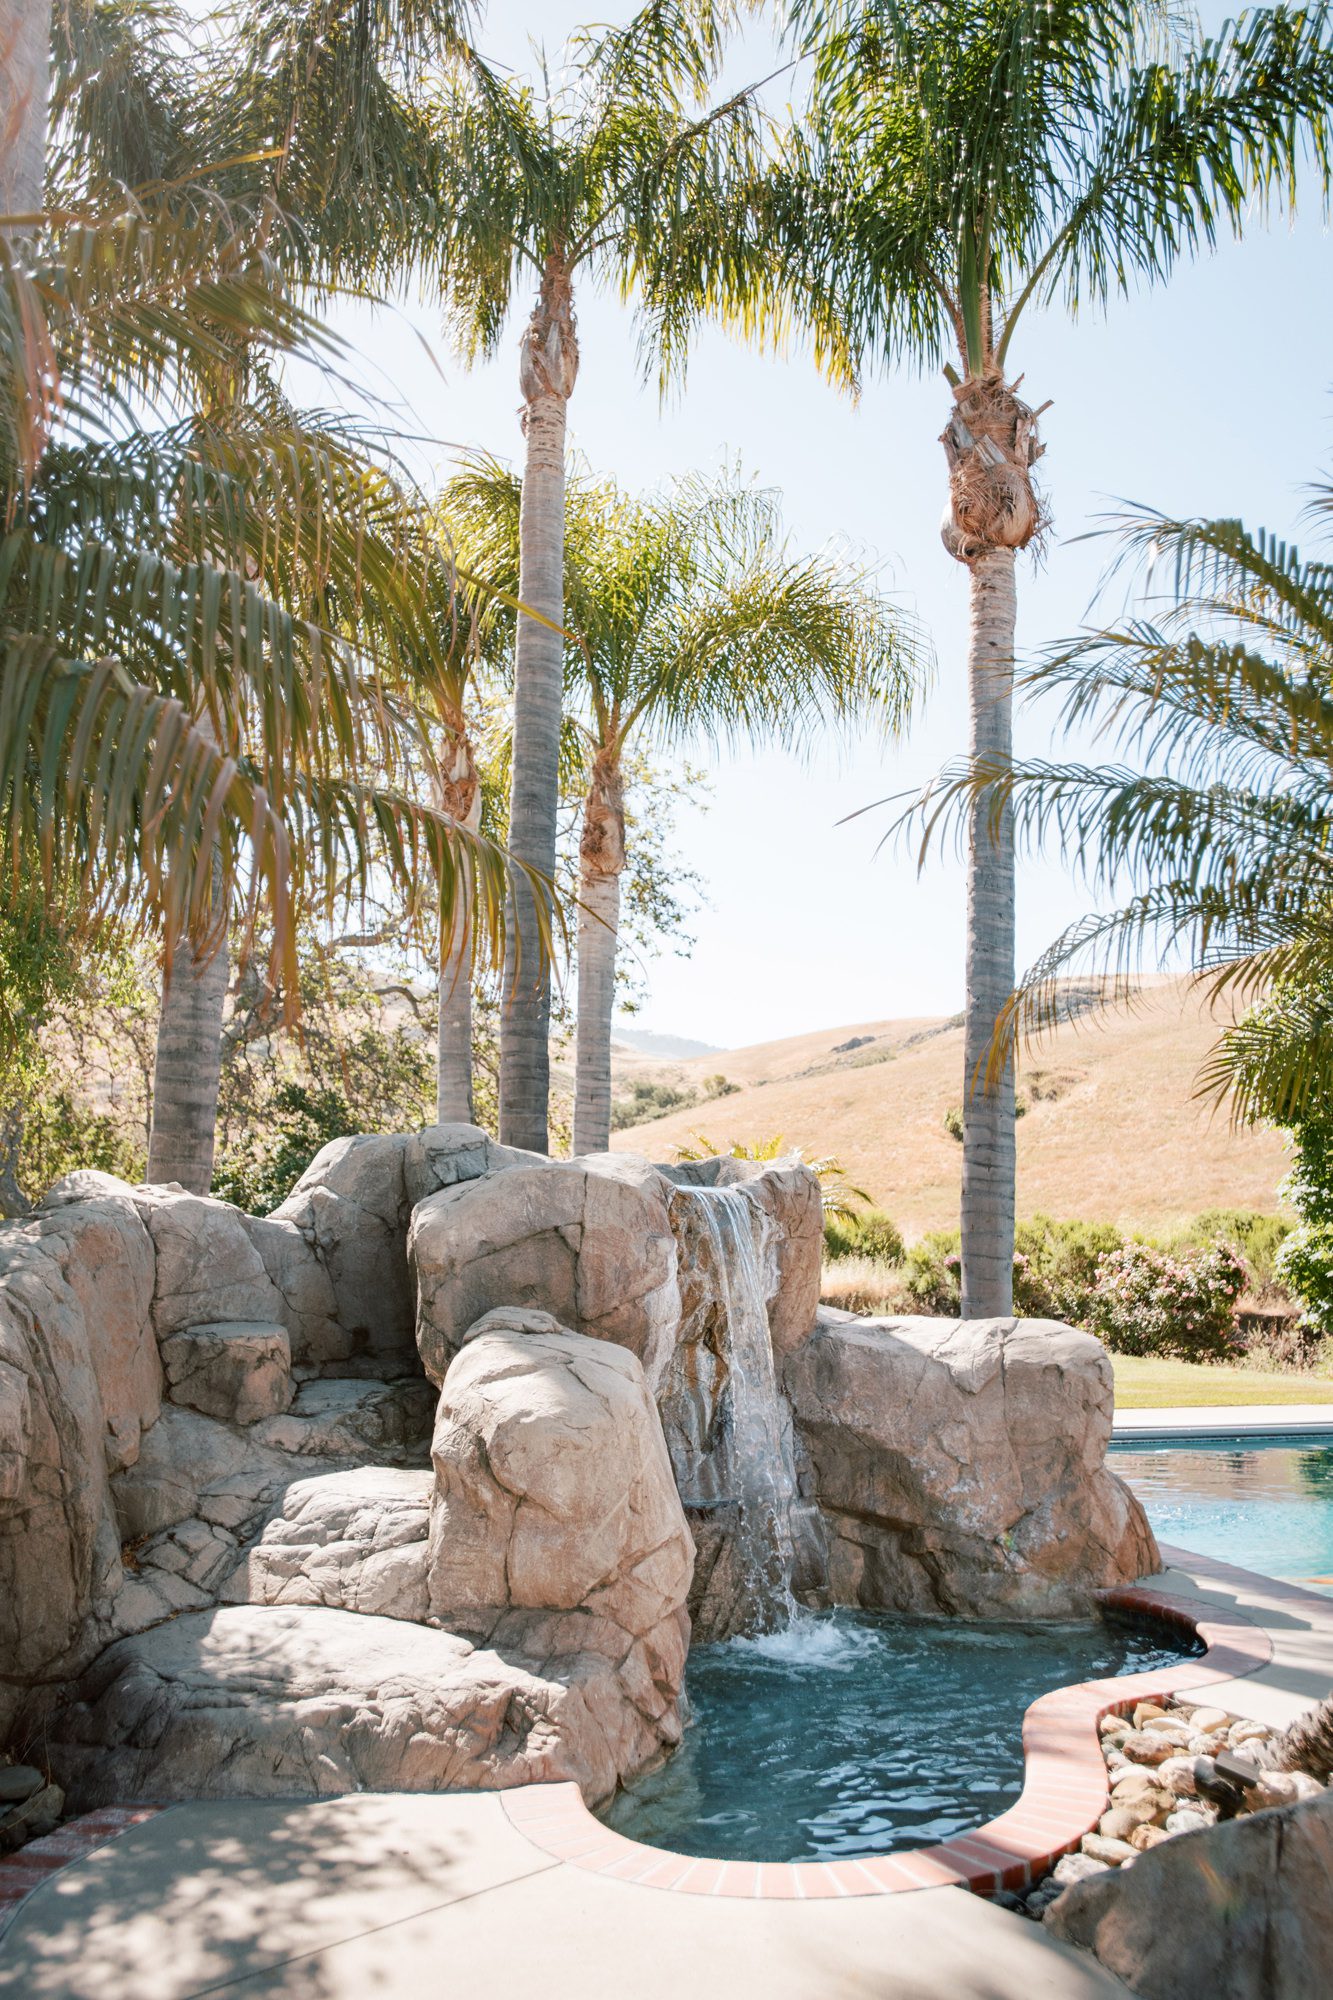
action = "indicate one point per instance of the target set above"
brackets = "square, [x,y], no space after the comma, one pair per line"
[1257,1236]
[932,1272]
[866,1232]
[1181,1307]
[648,1100]
[298,1122]
[1055,1266]
[1304,1265]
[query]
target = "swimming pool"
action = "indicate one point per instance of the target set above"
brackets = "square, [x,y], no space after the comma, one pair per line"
[1263,1503]
[857,1733]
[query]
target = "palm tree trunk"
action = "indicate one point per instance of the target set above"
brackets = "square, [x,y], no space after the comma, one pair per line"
[25,66]
[601,861]
[453,1076]
[187,1070]
[549,365]
[988,1108]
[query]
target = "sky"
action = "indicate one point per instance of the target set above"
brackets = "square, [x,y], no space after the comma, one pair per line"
[1209,395]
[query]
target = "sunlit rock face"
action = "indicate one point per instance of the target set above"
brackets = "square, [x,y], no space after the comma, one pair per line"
[588,1240]
[961,1465]
[430,1477]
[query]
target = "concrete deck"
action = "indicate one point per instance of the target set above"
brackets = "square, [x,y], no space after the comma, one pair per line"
[410,1897]
[1225,1420]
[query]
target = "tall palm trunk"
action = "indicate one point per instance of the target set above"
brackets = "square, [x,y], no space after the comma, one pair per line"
[601,862]
[187,1070]
[988,1104]
[990,443]
[453,1076]
[25,67]
[548,368]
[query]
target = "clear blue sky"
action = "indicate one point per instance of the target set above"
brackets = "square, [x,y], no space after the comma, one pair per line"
[1209,395]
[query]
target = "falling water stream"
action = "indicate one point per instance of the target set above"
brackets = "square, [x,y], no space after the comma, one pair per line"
[759,1473]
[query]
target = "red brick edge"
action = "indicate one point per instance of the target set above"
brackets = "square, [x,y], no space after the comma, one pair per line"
[1064,1790]
[36,1863]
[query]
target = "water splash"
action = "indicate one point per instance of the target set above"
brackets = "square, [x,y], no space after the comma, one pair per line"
[758,1470]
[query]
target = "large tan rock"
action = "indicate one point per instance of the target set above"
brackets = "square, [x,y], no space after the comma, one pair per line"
[961,1466]
[207,1267]
[337,1247]
[556,1529]
[269,1701]
[587,1240]
[239,1371]
[59,1550]
[788,1192]
[90,1225]
[355,1541]
[1234,1912]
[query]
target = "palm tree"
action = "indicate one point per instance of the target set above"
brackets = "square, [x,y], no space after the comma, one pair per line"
[306,109]
[1222,823]
[589,181]
[964,160]
[689,619]
[200,715]
[25,69]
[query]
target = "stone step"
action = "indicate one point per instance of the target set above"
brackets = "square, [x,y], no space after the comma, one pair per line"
[236,1370]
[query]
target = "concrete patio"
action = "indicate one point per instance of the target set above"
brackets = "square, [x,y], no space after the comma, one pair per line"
[418,1895]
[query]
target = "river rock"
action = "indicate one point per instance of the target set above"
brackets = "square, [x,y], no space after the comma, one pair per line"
[1281,1788]
[961,1465]
[1102,1847]
[1239,1912]
[18,1782]
[586,1240]
[1148,1746]
[1077,1868]
[238,1371]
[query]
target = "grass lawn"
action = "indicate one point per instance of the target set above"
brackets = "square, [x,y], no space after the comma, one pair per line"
[1144,1384]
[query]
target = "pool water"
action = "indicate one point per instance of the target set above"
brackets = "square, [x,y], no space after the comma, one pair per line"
[1263,1503]
[856,1733]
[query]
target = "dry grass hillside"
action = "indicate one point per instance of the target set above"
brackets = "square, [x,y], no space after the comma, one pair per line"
[1112,1131]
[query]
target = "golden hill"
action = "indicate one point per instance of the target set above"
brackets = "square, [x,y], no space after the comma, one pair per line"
[1112,1132]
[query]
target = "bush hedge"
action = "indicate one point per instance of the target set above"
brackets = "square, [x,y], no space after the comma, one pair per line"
[1175,1298]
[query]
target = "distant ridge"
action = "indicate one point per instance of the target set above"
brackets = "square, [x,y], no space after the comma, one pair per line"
[648,1044]
[1111,1130]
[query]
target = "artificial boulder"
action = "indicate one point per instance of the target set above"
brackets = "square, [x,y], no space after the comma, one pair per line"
[355,1541]
[1233,1912]
[588,1240]
[252,1701]
[960,1465]
[240,1370]
[556,1528]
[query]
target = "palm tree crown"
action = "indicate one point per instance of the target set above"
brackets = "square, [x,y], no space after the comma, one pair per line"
[964,159]
[689,619]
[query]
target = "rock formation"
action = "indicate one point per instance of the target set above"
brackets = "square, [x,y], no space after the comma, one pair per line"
[961,1465]
[386,1488]
[1232,1910]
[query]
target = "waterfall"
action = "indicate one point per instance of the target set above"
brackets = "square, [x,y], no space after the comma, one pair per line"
[756,1473]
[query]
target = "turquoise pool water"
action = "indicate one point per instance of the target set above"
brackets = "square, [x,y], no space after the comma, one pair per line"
[855,1734]
[1262,1503]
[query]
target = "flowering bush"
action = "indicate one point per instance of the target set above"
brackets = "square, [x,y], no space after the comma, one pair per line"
[1145,1301]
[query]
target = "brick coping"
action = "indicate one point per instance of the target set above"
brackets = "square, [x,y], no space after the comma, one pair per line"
[1064,1789]
[46,1856]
